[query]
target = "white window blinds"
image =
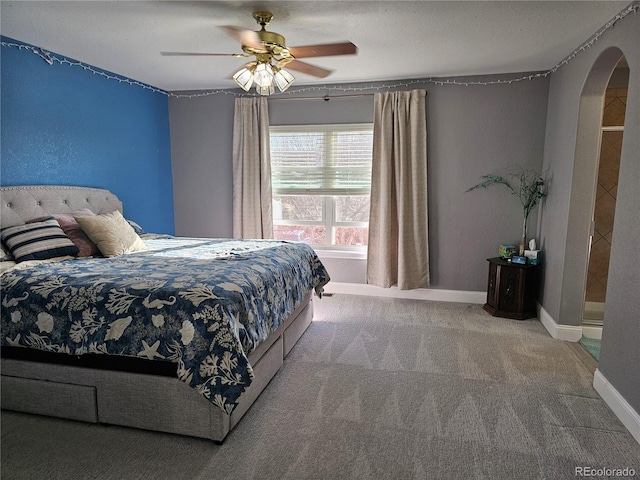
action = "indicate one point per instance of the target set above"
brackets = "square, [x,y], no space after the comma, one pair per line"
[321,160]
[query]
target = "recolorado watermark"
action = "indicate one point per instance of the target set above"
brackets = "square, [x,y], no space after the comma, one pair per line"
[604,472]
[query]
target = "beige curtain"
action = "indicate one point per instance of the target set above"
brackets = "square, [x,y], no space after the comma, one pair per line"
[398,252]
[252,217]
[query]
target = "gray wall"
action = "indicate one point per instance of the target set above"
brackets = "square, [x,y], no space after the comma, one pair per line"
[575,92]
[471,131]
[201,146]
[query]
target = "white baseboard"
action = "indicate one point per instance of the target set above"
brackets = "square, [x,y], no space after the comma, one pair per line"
[592,331]
[616,402]
[415,294]
[569,333]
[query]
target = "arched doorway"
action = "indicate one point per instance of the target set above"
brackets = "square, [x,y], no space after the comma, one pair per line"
[584,186]
[605,196]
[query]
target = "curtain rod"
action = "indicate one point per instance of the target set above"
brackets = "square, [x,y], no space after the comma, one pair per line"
[326,98]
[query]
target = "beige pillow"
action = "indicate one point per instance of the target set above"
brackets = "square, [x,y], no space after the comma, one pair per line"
[111,233]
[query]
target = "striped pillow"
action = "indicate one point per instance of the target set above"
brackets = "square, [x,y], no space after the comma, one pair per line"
[38,241]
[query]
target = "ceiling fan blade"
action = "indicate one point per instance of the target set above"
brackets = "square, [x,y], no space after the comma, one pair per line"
[307,68]
[195,54]
[246,37]
[324,50]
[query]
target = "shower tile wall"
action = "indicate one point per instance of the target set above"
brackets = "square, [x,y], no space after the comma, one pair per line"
[614,110]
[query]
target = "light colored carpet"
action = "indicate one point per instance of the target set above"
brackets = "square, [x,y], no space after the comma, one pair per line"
[378,388]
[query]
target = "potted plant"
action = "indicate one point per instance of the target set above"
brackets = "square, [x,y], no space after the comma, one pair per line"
[527,185]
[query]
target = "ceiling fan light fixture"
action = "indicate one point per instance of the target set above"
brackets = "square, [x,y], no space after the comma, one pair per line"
[263,76]
[282,78]
[271,52]
[244,77]
[268,90]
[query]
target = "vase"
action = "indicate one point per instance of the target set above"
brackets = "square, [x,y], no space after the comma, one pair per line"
[523,240]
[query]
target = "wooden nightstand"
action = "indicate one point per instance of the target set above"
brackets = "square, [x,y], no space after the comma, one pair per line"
[511,289]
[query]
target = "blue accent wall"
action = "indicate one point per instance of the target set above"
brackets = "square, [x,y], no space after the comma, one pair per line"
[64,125]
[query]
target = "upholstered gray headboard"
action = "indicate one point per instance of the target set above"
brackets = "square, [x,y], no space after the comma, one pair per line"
[24,202]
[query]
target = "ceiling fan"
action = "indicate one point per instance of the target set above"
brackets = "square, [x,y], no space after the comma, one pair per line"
[272,55]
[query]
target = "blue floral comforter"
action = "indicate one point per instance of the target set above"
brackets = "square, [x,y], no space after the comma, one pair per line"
[201,303]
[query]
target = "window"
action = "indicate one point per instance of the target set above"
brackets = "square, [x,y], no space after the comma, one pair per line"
[321,178]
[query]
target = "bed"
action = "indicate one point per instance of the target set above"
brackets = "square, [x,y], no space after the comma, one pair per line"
[170,334]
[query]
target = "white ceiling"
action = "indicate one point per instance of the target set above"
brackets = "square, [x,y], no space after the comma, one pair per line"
[395,39]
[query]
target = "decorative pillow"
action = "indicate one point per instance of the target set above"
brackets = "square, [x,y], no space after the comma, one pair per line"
[111,233]
[136,227]
[38,241]
[72,229]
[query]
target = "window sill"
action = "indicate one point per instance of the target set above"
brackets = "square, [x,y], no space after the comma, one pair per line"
[342,254]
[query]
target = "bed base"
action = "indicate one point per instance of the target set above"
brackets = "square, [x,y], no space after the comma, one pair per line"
[150,402]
